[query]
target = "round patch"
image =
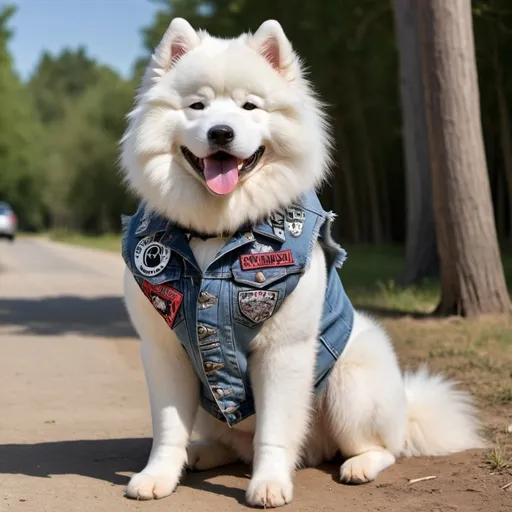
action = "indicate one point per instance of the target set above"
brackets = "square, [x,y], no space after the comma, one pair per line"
[151,257]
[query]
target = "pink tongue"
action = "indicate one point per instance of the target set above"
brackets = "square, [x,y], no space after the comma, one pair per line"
[221,175]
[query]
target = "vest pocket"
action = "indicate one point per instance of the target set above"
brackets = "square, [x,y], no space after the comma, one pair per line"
[253,305]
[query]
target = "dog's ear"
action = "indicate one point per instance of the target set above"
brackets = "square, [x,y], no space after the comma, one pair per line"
[271,42]
[178,39]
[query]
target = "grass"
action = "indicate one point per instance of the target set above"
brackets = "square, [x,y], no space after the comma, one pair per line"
[107,242]
[504,396]
[499,459]
[369,277]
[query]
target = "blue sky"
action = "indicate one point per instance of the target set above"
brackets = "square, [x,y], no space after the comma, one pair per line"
[110,30]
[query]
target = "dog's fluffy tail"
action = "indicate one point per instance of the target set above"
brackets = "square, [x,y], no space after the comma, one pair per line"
[441,418]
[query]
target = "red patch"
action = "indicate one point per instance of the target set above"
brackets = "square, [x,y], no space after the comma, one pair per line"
[165,300]
[266,259]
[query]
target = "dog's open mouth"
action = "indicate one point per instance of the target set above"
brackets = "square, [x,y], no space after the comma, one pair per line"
[221,170]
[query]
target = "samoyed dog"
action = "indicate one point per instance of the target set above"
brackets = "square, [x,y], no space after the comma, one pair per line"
[229,283]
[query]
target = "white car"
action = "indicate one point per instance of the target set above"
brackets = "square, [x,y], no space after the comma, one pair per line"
[8,222]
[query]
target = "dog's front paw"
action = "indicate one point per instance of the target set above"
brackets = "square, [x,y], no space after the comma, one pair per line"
[147,486]
[269,493]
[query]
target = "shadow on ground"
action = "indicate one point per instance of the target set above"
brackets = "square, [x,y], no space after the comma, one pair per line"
[97,316]
[106,460]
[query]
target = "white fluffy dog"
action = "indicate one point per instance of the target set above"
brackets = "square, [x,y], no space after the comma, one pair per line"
[369,411]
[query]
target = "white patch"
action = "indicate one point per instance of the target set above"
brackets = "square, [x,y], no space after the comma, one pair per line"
[295,217]
[258,248]
[258,305]
[151,257]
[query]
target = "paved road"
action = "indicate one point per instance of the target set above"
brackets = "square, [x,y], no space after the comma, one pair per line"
[74,415]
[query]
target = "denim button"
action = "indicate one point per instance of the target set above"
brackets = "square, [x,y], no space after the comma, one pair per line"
[259,277]
[211,367]
[203,332]
[206,300]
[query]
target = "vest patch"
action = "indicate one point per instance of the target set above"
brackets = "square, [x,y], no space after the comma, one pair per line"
[258,305]
[276,220]
[165,300]
[151,257]
[295,218]
[267,259]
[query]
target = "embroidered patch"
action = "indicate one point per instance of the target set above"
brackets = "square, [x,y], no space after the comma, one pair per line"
[266,259]
[295,217]
[166,300]
[151,257]
[258,305]
[276,220]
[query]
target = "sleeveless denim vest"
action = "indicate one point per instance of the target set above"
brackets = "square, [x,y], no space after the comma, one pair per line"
[217,314]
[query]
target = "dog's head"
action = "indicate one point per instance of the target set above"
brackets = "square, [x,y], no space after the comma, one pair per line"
[224,131]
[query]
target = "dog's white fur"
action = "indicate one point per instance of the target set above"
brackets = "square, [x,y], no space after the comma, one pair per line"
[368,410]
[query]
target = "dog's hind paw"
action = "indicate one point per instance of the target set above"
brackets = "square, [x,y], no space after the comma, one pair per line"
[269,493]
[203,455]
[146,486]
[364,468]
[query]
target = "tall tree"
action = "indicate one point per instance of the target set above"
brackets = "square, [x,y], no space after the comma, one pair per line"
[60,79]
[472,275]
[20,153]
[420,253]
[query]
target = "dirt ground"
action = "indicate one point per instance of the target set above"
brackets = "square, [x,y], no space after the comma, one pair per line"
[75,423]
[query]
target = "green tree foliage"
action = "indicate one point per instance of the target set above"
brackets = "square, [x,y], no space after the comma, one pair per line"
[62,79]
[82,106]
[20,153]
[85,190]
[59,138]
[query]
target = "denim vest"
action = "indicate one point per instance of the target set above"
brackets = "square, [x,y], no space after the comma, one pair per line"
[217,314]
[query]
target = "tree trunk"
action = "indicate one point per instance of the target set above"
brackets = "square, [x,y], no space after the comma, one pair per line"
[504,131]
[472,275]
[420,252]
[501,205]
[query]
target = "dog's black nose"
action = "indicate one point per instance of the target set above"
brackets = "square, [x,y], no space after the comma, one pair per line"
[221,134]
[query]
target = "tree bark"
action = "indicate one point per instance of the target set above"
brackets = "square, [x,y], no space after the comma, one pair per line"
[420,251]
[472,275]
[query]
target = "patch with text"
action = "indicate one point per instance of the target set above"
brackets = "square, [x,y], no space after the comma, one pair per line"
[267,259]
[151,257]
[258,305]
[165,299]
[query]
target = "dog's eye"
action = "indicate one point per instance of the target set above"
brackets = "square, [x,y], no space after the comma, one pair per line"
[249,106]
[197,106]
